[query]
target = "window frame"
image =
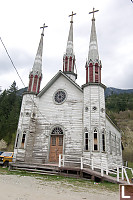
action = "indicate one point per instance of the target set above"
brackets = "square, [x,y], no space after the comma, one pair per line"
[23,140]
[56,93]
[110,141]
[103,141]
[86,141]
[95,140]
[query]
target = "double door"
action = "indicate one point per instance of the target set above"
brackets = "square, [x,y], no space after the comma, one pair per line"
[56,147]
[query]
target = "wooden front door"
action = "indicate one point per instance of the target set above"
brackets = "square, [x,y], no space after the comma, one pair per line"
[56,147]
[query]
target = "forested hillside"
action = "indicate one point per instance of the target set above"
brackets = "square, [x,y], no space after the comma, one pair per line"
[119,102]
[10,104]
[120,109]
[118,106]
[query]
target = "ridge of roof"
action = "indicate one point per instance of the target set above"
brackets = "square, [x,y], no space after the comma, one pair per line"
[59,73]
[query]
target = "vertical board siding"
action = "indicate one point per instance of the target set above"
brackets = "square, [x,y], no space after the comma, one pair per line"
[94,97]
[48,114]
[68,115]
[75,116]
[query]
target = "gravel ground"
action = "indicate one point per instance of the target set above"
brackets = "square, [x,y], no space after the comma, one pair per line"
[15,187]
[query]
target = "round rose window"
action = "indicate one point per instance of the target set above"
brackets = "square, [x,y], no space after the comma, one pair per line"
[60,96]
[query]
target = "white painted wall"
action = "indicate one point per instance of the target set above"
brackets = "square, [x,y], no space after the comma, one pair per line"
[67,115]
[72,117]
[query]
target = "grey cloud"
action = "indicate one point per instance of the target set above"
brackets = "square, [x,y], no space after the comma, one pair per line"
[21,59]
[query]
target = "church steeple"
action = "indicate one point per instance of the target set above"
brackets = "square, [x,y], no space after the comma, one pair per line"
[35,75]
[93,64]
[69,57]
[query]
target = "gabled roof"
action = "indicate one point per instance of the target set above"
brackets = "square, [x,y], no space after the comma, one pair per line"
[50,83]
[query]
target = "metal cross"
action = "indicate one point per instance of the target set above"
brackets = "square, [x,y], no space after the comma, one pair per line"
[72,16]
[93,12]
[43,27]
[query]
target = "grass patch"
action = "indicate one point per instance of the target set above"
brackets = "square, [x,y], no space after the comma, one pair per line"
[129,173]
[72,183]
[130,164]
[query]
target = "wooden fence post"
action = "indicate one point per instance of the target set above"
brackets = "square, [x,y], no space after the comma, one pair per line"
[59,160]
[107,169]
[63,159]
[126,176]
[92,164]
[117,173]
[101,169]
[81,162]
[122,173]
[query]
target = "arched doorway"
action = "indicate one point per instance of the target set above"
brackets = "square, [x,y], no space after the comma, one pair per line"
[56,144]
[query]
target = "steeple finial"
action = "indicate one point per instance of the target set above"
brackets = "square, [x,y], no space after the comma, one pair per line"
[72,17]
[93,12]
[43,27]
[70,36]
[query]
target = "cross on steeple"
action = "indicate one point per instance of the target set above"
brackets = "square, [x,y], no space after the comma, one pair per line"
[72,17]
[93,12]
[43,27]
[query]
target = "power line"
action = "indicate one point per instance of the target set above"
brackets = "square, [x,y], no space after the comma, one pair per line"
[21,78]
[106,99]
[12,62]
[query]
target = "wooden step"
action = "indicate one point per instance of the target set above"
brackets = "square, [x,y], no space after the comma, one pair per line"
[34,171]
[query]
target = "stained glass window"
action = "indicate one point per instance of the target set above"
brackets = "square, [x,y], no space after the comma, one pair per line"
[60,96]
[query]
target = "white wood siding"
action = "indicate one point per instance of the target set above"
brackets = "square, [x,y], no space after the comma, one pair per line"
[75,116]
[67,115]
[94,97]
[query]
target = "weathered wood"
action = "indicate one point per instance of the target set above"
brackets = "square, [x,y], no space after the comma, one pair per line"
[65,171]
[74,116]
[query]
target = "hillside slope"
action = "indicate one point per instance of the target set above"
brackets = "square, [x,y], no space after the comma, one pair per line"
[124,120]
[110,90]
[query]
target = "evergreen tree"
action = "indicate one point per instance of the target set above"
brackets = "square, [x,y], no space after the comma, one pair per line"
[121,102]
[10,104]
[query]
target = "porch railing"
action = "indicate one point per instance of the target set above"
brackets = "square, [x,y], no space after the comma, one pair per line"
[92,163]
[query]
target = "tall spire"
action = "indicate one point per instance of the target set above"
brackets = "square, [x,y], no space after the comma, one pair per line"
[93,65]
[35,75]
[69,57]
[93,47]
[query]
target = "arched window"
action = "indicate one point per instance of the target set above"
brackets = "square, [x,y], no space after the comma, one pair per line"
[103,141]
[119,146]
[57,136]
[86,141]
[95,140]
[17,140]
[23,140]
[57,131]
[110,141]
[115,145]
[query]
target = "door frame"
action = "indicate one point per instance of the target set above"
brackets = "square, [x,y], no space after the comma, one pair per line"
[63,135]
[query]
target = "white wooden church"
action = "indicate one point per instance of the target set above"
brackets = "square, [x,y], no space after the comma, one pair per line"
[65,118]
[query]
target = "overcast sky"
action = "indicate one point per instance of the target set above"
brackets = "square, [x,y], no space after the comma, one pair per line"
[20,22]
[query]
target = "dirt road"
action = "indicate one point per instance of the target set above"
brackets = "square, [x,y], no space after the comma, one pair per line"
[15,187]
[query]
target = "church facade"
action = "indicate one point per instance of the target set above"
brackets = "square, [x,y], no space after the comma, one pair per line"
[64,118]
